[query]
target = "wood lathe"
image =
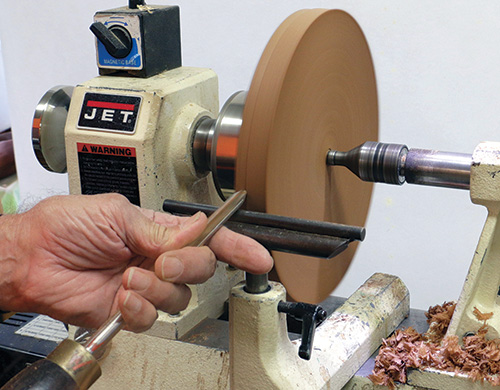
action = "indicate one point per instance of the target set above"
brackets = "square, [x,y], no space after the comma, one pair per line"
[150,129]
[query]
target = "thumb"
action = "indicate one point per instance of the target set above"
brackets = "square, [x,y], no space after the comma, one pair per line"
[145,237]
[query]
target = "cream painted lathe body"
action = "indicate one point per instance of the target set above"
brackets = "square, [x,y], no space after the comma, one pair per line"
[172,103]
[481,288]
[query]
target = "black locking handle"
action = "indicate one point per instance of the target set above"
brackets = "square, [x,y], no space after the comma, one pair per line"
[132,4]
[311,316]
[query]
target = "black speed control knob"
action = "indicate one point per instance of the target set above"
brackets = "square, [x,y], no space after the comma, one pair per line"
[115,39]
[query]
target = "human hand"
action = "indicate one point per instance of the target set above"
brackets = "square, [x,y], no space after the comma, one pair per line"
[81,258]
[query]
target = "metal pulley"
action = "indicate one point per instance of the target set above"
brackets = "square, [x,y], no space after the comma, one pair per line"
[215,144]
[47,133]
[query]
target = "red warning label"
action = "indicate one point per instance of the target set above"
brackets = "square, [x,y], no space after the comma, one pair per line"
[107,150]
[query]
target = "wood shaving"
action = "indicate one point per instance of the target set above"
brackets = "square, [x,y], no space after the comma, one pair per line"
[147,8]
[438,318]
[478,358]
[482,316]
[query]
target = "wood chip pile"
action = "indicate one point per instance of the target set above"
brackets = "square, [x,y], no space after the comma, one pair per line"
[478,357]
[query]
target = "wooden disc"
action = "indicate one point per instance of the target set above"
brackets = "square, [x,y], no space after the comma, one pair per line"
[314,90]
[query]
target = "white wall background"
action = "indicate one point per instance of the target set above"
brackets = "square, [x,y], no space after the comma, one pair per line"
[438,71]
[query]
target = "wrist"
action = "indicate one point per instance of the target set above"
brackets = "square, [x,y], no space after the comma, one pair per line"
[11,271]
